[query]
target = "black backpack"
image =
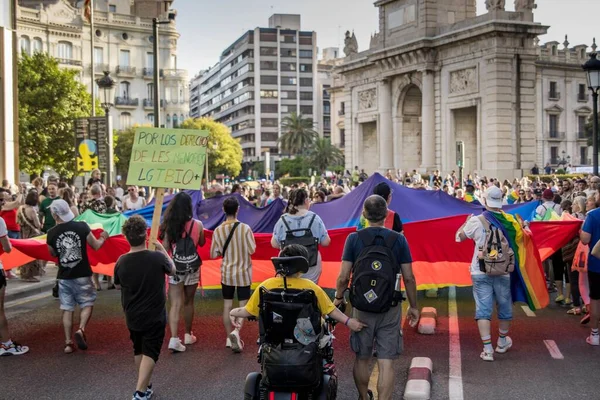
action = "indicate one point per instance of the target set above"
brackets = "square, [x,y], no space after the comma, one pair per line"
[307,240]
[185,254]
[374,274]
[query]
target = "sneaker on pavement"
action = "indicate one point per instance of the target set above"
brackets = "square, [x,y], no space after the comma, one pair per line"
[139,395]
[559,299]
[593,340]
[507,345]
[228,343]
[189,338]
[175,345]
[485,356]
[236,343]
[15,349]
[149,392]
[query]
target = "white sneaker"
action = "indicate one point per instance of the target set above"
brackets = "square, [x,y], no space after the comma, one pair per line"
[485,356]
[228,343]
[236,343]
[507,345]
[175,345]
[594,340]
[14,349]
[189,338]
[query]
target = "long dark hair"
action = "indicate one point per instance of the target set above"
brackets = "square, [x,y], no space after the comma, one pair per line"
[297,198]
[177,214]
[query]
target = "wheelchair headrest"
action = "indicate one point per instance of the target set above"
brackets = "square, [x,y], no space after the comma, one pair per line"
[288,266]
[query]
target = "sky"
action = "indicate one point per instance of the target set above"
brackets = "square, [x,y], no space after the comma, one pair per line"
[207,27]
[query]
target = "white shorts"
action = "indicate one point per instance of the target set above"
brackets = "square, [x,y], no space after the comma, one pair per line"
[189,279]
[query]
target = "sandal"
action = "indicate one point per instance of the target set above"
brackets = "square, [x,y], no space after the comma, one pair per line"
[81,340]
[574,311]
[69,348]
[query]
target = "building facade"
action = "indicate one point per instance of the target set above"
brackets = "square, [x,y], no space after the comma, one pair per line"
[563,105]
[9,162]
[260,79]
[436,73]
[123,45]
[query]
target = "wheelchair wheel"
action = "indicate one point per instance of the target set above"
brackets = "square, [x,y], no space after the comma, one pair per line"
[328,388]
[251,389]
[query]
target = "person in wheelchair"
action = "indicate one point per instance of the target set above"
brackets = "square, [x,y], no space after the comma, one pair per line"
[292,333]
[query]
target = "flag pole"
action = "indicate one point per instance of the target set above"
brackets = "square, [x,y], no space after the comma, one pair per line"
[92,33]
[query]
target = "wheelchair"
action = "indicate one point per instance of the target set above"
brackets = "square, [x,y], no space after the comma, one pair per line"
[291,370]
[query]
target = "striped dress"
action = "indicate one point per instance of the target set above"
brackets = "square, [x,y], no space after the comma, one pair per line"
[236,266]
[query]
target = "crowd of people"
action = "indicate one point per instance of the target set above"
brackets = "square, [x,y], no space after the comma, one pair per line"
[51,206]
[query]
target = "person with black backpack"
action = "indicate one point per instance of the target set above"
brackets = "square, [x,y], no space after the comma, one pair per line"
[181,234]
[301,226]
[374,261]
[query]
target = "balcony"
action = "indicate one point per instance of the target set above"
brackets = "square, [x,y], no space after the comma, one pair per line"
[553,95]
[126,102]
[342,113]
[174,73]
[148,73]
[148,103]
[582,97]
[555,136]
[126,70]
[100,68]
[70,62]
[582,136]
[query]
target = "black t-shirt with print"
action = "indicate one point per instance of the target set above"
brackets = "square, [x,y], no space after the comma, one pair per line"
[142,278]
[69,241]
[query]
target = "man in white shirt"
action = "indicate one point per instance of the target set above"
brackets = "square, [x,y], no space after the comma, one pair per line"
[487,288]
[547,204]
[7,346]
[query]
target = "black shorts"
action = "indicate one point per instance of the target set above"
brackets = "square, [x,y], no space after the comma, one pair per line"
[2,279]
[148,342]
[594,283]
[243,292]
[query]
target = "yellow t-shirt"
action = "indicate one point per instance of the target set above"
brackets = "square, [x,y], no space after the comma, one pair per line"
[325,304]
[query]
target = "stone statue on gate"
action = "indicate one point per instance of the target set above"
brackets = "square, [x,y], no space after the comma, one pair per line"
[525,5]
[494,5]
[350,44]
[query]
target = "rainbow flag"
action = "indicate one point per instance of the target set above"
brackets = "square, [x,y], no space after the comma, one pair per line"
[512,197]
[470,198]
[528,284]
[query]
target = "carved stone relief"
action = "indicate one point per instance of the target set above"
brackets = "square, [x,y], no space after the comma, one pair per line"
[367,99]
[463,81]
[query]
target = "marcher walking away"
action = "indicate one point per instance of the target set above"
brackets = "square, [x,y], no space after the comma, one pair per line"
[375,258]
[67,241]
[30,228]
[181,234]
[140,274]
[234,241]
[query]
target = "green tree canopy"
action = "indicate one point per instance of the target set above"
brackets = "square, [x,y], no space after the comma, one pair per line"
[123,145]
[50,98]
[323,154]
[227,157]
[298,134]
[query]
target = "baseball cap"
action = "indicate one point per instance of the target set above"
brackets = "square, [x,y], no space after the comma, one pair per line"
[493,197]
[548,194]
[62,210]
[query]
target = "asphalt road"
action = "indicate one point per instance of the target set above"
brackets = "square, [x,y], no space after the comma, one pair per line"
[209,371]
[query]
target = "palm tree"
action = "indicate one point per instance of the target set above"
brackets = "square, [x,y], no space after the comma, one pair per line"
[323,154]
[298,134]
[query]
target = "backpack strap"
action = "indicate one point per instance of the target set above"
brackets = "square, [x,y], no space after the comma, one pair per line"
[189,234]
[390,240]
[287,226]
[311,222]
[235,225]
[365,237]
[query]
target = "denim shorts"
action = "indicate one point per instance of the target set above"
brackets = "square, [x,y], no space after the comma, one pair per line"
[486,290]
[72,292]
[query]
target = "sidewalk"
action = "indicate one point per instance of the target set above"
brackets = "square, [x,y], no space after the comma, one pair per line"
[17,289]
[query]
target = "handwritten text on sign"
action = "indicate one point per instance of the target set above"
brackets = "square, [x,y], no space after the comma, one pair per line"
[168,158]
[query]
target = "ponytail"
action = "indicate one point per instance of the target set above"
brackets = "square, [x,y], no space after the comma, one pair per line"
[297,198]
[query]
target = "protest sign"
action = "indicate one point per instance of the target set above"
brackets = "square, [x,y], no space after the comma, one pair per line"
[168,158]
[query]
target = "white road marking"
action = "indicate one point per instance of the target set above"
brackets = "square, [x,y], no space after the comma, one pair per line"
[553,349]
[26,300]
[528,311]
[455,383]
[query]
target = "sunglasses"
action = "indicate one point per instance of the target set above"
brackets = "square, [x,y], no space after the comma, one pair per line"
[131,190]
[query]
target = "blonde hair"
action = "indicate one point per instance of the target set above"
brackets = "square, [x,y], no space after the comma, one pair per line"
[580,202]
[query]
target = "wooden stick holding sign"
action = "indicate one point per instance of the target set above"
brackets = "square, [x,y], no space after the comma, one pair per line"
[167,158]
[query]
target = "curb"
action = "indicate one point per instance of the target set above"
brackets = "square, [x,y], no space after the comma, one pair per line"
[29,291]
[418,385]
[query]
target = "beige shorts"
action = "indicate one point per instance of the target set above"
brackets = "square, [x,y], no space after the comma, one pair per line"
[189,279]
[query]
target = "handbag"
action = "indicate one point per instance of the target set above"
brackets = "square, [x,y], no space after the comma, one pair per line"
[581,257]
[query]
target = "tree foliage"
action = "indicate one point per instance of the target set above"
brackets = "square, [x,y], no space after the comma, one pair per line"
[297,166]
[298,134]
[323,154]
[123,145]
[227,157]
[50,98]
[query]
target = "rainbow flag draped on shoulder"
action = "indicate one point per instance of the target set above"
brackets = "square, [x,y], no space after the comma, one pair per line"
[528,284]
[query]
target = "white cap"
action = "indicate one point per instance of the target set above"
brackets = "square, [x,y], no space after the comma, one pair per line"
[493,197]
[62,210]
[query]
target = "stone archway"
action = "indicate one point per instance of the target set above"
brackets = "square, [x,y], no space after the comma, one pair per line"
[409,112]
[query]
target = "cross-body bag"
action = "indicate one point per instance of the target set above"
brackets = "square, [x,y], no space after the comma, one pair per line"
[235,225]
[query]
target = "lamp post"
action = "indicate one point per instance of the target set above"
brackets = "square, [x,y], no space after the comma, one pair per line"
[107,85]
[592,68]
[155,23]
[564,160]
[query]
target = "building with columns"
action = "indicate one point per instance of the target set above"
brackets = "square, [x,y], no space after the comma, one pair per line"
[436,73]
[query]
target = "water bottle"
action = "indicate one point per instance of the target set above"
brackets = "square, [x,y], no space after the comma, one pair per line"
[397,285]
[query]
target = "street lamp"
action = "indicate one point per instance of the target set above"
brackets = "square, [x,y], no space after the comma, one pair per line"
[107,85]
[155,23]
[592,67]
[564,160]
